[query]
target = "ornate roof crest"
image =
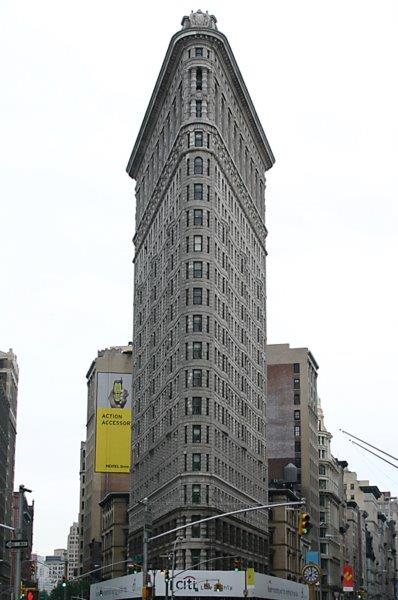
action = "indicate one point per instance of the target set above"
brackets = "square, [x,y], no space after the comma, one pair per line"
[199,19]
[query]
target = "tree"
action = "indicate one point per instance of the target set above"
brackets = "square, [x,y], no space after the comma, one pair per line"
[80,588]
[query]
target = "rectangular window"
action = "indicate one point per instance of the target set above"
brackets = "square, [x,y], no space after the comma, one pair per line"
[195,495]
[198,51]
[297,446]
[296,383]
[198,216]
[297,431]
[198,139]
[198,191]
[197,295]
[296,398]
[196,434]
[197,269]
[296,367]
[197,378]
[196,462]
[199,78]
[197,350]
[197,243]
[297,415]
[195,529]
[197,323]
[198,108]
[198,166]
[196,405]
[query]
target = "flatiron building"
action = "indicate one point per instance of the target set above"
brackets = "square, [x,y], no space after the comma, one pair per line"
[199,364]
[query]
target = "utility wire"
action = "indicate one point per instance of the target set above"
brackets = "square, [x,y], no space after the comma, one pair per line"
[374,454]
[371,446]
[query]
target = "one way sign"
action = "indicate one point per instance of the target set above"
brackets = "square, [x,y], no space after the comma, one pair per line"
[17,544]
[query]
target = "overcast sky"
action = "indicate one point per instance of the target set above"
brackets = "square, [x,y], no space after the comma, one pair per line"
[76,80]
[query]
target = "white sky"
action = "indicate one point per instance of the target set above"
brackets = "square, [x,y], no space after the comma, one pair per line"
[76,79]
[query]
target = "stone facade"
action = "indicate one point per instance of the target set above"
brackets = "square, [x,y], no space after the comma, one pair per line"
[332,515]
[379,536]
[72,550]
[287,551]
[114,534]
[200,305]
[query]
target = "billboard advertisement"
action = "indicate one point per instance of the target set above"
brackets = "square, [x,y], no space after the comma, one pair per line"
[348,579]
[195,584]
[113,423]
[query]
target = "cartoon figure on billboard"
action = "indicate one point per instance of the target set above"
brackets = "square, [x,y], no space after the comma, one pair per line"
[118,394]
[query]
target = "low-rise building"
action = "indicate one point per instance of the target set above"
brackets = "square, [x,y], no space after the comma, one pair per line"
[114,534]
[73,551]
[51,570]
[286,549]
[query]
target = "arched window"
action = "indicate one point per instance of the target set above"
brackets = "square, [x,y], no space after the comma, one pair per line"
[198,166]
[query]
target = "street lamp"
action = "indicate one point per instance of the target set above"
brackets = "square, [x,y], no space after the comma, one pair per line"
[173,563]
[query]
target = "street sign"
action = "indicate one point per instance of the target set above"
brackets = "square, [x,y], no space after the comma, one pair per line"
[137,558]
[16,544]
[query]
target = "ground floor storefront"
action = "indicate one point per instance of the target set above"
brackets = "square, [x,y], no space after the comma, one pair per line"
[201,584]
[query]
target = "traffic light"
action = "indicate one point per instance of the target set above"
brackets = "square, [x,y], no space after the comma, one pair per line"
[218,587]
[63,581]
[304,525]
[31,594]
[237,565]
[167,575]
[361,593]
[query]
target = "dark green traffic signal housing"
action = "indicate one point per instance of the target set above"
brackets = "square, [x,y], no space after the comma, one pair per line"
[237,565]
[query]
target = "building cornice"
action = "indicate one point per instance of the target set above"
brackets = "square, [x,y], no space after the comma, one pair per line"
[161,88]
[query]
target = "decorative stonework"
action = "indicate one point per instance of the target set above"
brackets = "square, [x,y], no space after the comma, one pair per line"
[237,183]
[199,19]
[229,167]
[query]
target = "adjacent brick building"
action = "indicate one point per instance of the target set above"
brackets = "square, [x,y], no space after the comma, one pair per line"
[292,422]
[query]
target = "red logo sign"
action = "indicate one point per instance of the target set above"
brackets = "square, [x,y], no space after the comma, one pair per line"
[348,579]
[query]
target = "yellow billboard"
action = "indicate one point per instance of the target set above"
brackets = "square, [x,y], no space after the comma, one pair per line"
[113,423]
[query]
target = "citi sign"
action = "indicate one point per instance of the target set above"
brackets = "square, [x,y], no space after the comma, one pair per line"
[189,583]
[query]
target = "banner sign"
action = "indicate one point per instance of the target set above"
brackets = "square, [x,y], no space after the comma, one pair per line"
[201,584]
[113,423]
[348,579]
